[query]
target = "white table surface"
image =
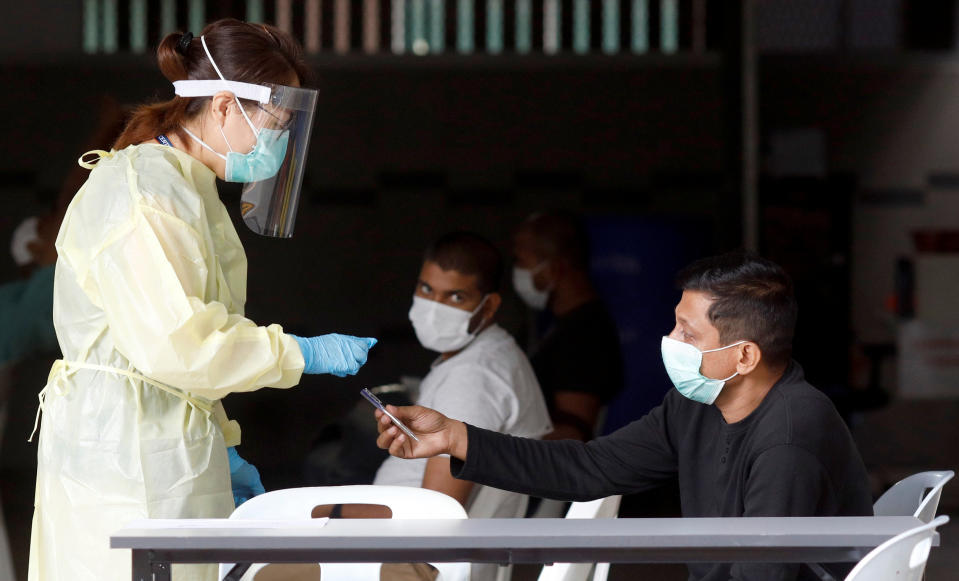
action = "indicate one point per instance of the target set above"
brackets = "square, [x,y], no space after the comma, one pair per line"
[673,540]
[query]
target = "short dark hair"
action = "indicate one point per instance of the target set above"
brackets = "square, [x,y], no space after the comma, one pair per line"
[561,234]
[752,300]
[469,253]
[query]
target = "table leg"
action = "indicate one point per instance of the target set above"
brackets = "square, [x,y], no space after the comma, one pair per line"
[141,566]
[146,568]
[161,571]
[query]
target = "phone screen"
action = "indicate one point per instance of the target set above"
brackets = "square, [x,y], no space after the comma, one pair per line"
[379,405]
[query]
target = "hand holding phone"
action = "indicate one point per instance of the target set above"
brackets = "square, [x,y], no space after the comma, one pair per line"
[379,405]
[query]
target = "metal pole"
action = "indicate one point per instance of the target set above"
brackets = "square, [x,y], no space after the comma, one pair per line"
[138,26]
[91,26]
[341,26]
[494,26]
[398,26]
[750,131]
[437,26]
[741,113]
[254,10]
[465,37]
[640,26]
[552,26]
[313,25]
[371,26]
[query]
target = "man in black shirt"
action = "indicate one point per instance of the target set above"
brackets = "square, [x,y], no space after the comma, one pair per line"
[577,361]
[743,431]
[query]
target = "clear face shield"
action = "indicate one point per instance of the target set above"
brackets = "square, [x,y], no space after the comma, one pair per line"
[269,204]
[272,173]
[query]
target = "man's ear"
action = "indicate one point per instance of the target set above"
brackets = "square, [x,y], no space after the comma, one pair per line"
[493,302]
[749,357]
[547,277]
[486,314]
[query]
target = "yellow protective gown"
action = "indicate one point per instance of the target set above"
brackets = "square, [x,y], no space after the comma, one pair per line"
[148,308]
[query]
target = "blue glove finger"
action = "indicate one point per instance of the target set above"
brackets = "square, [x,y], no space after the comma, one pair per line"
[359,348]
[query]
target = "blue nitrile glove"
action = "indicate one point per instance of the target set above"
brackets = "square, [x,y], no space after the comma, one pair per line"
[340,355]
[244,477]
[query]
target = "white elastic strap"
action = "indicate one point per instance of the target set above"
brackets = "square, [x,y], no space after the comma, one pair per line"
[726,347]
[225,140]
[203,143]
[206,49]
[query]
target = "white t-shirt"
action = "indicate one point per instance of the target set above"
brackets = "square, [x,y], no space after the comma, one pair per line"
[490,384]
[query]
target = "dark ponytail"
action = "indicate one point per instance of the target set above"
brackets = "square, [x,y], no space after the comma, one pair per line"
[250,53]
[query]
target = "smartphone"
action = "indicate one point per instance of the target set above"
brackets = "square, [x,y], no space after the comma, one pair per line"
[379,405]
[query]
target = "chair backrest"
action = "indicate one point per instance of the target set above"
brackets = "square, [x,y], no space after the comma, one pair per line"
[901,558]
[6,558]
[405,502]
[601,508]
[909,496]
[489,502]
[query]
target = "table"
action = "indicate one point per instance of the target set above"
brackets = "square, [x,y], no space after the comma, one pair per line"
[652,540]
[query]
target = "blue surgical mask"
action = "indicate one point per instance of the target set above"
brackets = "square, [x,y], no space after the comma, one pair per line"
[262,163]
[683,362]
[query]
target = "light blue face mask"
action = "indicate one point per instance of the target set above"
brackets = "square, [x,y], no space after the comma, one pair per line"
[263,162]
[260,164]
[683,362]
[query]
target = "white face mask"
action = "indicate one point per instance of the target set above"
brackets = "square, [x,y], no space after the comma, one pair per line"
[526,289]
[441,327]
[24,234]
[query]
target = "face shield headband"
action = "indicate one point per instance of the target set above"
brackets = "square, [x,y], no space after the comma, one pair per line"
[272,173]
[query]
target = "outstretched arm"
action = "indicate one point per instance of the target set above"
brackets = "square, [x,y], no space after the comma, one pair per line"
[637,457]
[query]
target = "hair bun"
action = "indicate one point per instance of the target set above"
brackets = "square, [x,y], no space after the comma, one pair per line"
[184,43]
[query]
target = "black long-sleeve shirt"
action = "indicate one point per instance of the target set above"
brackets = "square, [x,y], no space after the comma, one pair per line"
[792,456]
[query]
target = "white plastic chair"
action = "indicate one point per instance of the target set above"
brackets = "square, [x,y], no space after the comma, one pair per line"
[600,508]
[901,558]
[908,497]
[6,558]
[489,502]
[405,503]
[549,508]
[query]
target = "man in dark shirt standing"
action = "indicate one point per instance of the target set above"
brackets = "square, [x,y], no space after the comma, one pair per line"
[743,431]
[577,361]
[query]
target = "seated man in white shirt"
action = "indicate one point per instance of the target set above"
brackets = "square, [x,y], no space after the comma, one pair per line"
[480,374]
